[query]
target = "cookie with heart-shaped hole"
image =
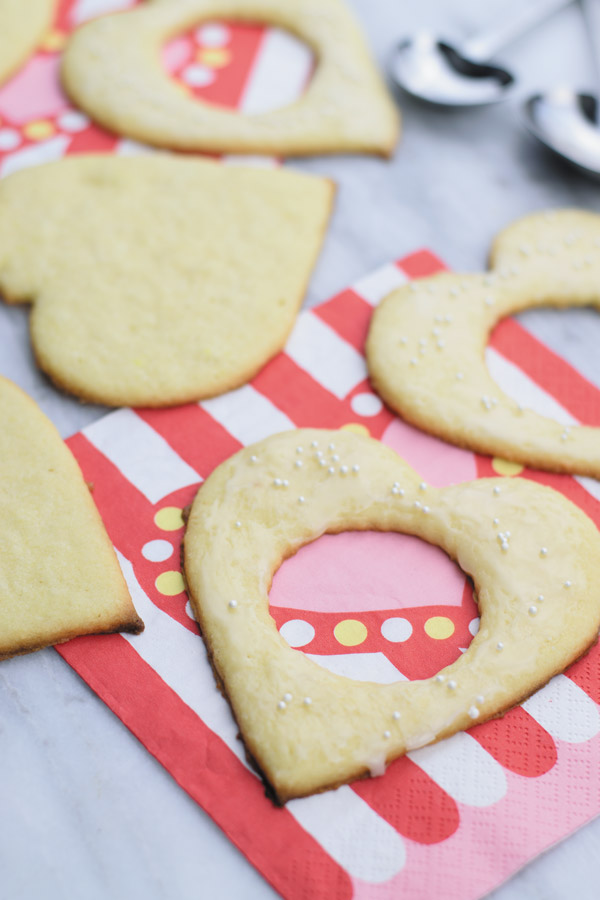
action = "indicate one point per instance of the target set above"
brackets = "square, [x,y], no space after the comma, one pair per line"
[59,576]
[112,69]
[533,556]
[158,280]
[427,340]
[22,25]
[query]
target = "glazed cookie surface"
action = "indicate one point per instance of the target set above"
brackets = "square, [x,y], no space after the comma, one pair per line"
[59,576]
[158,280]
[112,70]
[22,25]
[427,340]
[534,558]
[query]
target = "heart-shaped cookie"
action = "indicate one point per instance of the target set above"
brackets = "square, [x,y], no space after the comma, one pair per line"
[158,280]
[426,344]
[534,558]
[59,576]
[112,69]
[22,25]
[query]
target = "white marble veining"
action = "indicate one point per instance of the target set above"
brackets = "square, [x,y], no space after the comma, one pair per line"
[86,811]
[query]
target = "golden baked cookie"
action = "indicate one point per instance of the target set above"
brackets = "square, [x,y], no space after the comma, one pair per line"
[112,69]
[59,576]
[158,280]
[534,558]
[22,25]
[426,343]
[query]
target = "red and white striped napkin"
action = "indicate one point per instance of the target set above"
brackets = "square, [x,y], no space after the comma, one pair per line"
[450,820]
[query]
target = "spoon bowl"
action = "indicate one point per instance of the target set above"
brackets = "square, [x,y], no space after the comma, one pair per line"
[435,71]
[567,123]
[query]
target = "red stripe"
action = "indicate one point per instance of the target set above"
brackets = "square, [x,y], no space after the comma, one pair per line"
[411,802]
[548,370]
[421,264]
[193,434]
[308,404]
[518,743]
[120,504]
[349,315]
[206,769]
[586,673]
[228,87]
[298,395]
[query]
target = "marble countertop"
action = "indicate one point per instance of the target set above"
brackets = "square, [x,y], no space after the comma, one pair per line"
[86,811]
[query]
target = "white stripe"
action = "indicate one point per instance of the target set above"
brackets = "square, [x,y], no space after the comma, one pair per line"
[44,152]
[247,415]
[321,352]
[357,838]
[259,162]
[565,711]
[129,147]
[463,769]
[141,454]
[521,388]
[374,287]
[590,484]
[349,830]
[360,666]
[179,657]
[279,74]
[89,9]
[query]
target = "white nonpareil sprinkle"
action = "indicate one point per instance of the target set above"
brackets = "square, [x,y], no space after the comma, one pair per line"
[288,698]
[281,705]
[532,610]
[499,646]
[452,685]
[387,735]
[232,604]
[473,712]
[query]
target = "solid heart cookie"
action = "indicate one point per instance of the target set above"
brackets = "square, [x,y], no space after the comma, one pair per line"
[112,69]
[426,343]
[59,577]
[22,25]
[158,280]
[533,556]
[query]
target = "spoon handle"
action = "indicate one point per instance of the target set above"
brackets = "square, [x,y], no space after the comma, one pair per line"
[483,46]
[591,14]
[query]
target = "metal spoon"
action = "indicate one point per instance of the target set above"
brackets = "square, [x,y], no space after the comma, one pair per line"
[568,122]
[436,71]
